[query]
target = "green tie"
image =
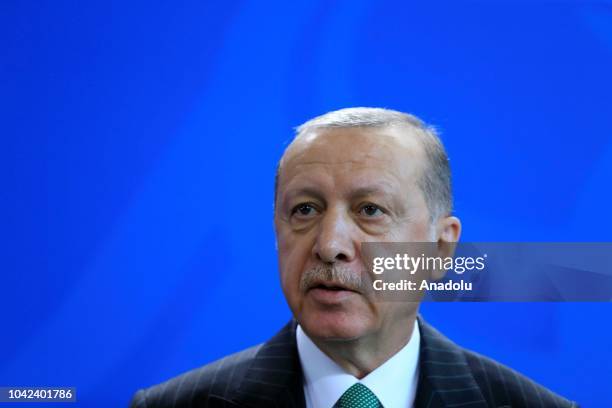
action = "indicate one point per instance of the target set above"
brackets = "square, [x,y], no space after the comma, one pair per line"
[358,396]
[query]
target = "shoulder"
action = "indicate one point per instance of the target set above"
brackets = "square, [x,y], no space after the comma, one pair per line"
[197,387]
[456,373]
[499,382]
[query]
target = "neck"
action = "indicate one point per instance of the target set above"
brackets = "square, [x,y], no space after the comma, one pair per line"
[361,356]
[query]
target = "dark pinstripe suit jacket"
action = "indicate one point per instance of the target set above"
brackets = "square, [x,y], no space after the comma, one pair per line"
[269,375]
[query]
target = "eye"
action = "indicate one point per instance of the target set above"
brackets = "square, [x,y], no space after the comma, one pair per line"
[371,210]
[304,210]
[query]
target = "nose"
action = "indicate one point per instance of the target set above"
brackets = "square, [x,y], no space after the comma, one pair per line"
[335,238]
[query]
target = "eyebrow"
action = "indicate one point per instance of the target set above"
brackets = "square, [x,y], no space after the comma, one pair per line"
[384,189]
[355,194]
[368,191]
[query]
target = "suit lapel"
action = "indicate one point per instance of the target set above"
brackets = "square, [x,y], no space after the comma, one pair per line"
[274,377]
[445,377]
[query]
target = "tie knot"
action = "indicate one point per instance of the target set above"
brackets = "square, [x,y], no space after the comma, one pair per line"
[358,396]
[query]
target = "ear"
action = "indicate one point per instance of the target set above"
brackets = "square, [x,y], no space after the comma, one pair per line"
[448,231]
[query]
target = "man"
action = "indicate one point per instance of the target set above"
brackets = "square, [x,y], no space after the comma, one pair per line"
[353,176]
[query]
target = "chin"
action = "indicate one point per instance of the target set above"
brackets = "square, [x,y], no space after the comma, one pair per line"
[334,325]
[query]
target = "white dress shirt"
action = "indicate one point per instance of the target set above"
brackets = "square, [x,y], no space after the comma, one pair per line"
[394,383]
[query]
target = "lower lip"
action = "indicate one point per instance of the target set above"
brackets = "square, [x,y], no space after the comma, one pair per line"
[329,296]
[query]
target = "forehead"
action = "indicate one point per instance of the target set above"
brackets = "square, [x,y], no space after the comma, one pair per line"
[391,155]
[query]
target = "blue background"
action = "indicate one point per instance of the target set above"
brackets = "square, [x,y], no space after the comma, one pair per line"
[139,142]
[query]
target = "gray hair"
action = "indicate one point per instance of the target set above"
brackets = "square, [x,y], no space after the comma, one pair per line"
[435,180]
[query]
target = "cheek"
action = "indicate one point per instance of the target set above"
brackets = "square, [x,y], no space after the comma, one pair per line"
[293,256]
[421,232]
[292,260]
[415,229]
[411,232]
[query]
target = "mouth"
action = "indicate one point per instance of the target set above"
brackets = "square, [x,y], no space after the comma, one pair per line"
[330,292]
[331,286]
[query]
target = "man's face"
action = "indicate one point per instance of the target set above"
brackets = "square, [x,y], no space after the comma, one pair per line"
[338,188]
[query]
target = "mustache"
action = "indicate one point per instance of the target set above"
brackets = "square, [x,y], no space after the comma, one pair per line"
[338,275]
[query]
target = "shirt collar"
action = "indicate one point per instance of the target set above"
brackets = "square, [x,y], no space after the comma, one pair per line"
[394,382]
